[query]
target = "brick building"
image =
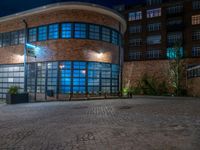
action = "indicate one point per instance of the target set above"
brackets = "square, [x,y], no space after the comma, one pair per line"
[153,29]
[77,48]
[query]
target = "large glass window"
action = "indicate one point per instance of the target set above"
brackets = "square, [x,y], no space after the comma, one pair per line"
[173,53]
[94,32]
[32,35]
[54,31]
[42,33]
[80,30]
[153,54]
[174,37]
[196,5]
[154,2]
[135,55]
[196,50]
[105,34]
[21,37]
[6,39]
[154,13]
[195,19]
[135,16]
[135,41]
[52,73]
[154,39]
[115,37]
[66,30]
[14,38]
[196,35]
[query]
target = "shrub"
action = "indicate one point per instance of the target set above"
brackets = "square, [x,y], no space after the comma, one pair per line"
[13,90]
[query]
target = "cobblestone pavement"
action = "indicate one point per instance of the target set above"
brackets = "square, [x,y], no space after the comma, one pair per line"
[134,124]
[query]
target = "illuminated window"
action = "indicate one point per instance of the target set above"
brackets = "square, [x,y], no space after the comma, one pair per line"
[42,33]
[154,13]
[80,30]
[66,30]
[21,37]
[135,28]
[154,39]
[154,26]
[196,50]
[54,31]
[94,32]
[196,35]
[196,5]
[135,16]
[195,19]
[173,53]
[14,38]
[32,35]
[6,39]
[105,34]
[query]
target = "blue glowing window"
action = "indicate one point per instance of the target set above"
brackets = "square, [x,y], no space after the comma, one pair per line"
[79,65]
[80,30]
[65,81]
[115,37]
[78,89]
[53,31]
[172,53]
[32,35]
[94,32]
[79,82]
[105,34]
[66,30]
[42,33]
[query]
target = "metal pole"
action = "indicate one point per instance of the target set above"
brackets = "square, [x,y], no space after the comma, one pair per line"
[25,55]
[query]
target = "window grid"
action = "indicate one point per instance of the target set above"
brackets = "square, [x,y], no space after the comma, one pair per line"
[53,31]
[94,32]
[135,29]
[196,5]
[154,13]
[66,30]
[135,16]
[42,33]
[195,19]
[80,30]
[133,55]
[14,38]
[196,35]
[196,51]
[154,27]
[32,35]
[175,9]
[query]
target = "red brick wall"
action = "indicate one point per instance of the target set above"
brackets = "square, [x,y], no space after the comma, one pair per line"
[62,49]
[193,87]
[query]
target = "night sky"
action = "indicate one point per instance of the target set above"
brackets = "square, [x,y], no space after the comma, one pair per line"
[8,7]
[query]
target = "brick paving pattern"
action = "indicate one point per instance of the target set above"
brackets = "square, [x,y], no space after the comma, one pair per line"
[134,124]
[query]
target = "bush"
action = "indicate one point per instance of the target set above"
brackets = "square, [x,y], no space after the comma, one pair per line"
[13,90]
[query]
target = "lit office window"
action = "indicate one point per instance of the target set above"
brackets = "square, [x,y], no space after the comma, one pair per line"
[21,37]
[196,5]
[32,35]
[154,13]
[135,29]
[14,38]
[94,32]
[173,53]
[106,34]
[175,9]
[196,51]
[135,16]
[6,39]
[80,30]
[66,30]
[42,33]
[196,35]
[154,26]
[54,31]
[195,19]
[154,39]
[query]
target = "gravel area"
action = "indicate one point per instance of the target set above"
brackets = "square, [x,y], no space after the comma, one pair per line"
[128,124]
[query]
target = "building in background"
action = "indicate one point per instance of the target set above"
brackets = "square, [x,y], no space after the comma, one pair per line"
[153,29]
[77,47]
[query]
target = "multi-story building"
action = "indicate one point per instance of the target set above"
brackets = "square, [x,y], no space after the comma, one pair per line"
[154,27]
[77,48]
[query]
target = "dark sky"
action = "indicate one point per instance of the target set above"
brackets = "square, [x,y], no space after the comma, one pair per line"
[8,7]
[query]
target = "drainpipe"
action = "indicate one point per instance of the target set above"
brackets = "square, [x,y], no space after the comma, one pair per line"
[25,55]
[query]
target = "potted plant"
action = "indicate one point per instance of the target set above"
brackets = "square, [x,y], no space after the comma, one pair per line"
[14,97]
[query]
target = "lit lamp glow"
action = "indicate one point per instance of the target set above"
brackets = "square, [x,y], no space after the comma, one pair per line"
[99,55]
